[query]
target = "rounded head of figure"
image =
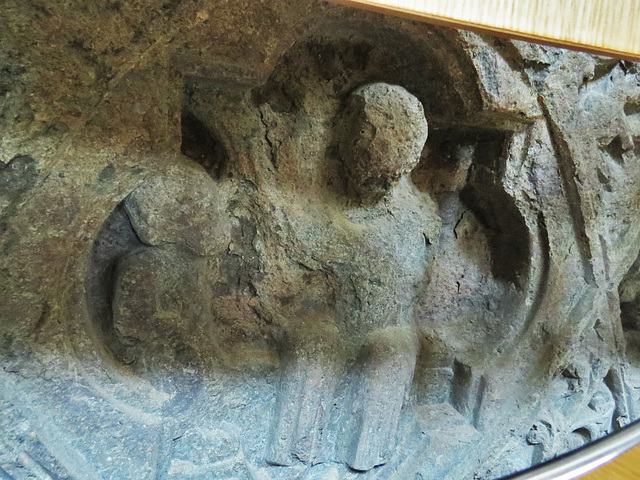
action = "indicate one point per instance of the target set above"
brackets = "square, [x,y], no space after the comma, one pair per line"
[382,133]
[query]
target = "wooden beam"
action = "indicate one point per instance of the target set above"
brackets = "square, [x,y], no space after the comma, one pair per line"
[607,27]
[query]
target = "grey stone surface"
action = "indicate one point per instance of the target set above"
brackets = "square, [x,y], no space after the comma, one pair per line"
[290,240]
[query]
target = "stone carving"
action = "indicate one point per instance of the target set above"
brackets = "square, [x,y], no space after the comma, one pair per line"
[562,429]
[247,255]
[376,252]
[359,266]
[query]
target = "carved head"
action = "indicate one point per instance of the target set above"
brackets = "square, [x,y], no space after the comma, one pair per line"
[383,132]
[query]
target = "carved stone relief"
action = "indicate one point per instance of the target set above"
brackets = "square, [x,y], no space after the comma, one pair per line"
[359,247]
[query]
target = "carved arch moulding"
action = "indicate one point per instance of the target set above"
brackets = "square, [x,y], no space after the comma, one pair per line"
[291,240]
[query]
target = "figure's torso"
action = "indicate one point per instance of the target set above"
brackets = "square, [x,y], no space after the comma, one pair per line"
[361,265]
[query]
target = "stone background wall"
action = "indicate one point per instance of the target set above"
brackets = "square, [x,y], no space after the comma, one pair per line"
[196,280]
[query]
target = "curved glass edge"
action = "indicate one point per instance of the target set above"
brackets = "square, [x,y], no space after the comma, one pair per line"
[585,459]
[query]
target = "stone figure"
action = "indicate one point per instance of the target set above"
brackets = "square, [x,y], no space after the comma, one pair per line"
[227,252]
[349,323]
[378,249]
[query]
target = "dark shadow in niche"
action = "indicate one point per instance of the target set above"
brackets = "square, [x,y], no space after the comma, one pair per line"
[629,293]
[469,163]
[495,208]
[632,111]
[201,145]
[615,150]
[115,240]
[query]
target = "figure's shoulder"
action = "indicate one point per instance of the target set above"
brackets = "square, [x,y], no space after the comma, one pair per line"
[181,207]
[414,210]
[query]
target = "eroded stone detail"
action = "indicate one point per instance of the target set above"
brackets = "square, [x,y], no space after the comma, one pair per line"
[234,252]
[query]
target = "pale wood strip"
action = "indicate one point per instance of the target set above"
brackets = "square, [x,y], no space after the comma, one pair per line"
[609,27]
[625,467]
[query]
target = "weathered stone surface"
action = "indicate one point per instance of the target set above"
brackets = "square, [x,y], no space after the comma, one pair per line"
[384,132]
[228,252]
